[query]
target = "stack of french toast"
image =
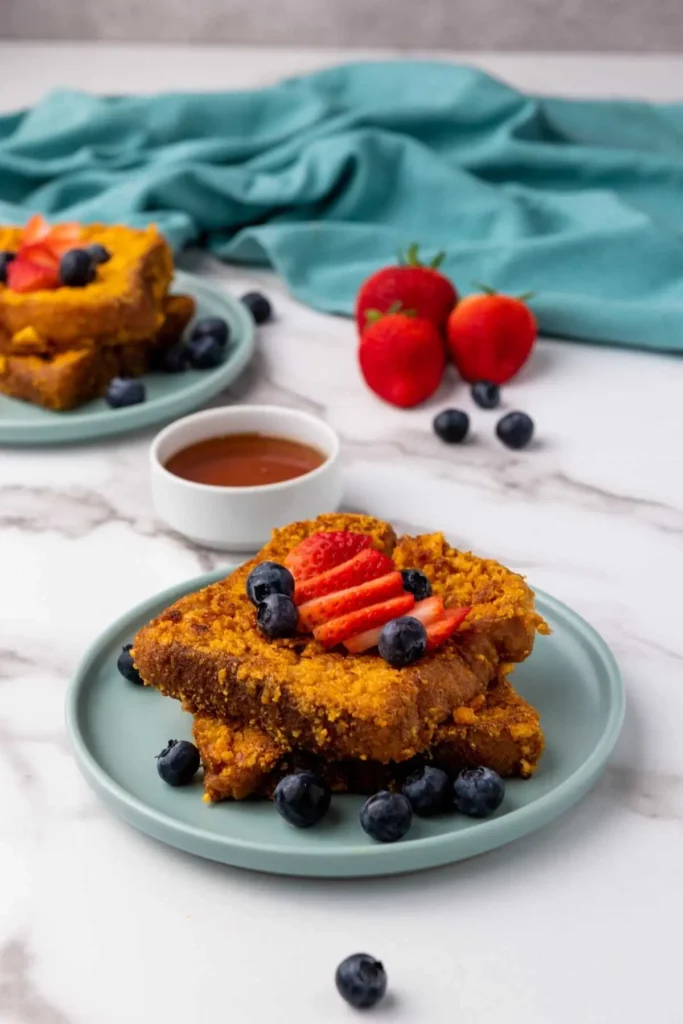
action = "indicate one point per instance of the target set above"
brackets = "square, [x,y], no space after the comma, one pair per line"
[61,343]
[266,707]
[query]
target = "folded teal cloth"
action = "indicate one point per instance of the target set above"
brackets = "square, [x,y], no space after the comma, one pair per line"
[325,176]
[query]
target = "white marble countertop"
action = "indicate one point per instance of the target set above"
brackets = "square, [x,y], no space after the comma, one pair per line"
[578,923]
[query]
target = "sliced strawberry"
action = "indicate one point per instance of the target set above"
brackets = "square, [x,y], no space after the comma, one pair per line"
[63,237]
[36,230]
[364,641]
[322,609]
[338,630]
[24,276]
[441,630]
[39,253]
[323,551]
[429,610]
[366,565]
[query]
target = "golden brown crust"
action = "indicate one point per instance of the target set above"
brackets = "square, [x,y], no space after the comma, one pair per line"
[499,730]
[123,304]
[207,651]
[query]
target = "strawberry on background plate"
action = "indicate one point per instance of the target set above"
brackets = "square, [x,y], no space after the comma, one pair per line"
[416,286]
[491,336]
[402,358]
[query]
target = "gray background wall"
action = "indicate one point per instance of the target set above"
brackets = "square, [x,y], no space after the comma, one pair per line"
[445,24]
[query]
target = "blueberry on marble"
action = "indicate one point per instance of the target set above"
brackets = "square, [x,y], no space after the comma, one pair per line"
[515,429]
[451,425]
[485,394]
[361,981]
[259,307]
[178,762]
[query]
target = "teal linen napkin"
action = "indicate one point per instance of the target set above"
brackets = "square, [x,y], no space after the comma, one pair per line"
[325,176]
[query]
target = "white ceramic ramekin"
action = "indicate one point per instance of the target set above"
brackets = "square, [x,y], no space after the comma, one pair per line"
[241,518]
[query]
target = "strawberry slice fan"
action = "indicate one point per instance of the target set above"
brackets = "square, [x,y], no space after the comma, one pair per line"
[36,265]
[347,591]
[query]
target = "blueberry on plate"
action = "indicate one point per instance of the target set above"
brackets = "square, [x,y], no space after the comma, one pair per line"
[76,268]
[206,353]
[302,799]
[269,578]
[386,816]
[122,391]
[5,260]
[402,641]
[478,792]
[515,429]
[485,394]
[428,789]
[126,666]
[98,253]
[361,981]
[259,307]
[178,762]
[452,425]
[175,359]
[211,327]
[416,583]
[277,616]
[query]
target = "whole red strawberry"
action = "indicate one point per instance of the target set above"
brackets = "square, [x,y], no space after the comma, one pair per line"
[402,358]
[411,285]
[491,336]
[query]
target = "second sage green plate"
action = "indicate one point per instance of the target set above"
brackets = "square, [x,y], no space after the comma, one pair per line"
[117,728]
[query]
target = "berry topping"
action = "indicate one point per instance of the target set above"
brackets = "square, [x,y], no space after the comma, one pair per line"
[5,259]
[416,583]
[259,307]
[515,429]
[386,816]
[451,425]
[323,551]
[302,799]
[337,630]
[342,602]
[268,578]
[403,641]
[429,790]
[126,666]
[76,268]
[411,285]
[442,629]
[277,616]
[366,565]
[491,336]
[24,275]
[485,394]
[98,253]
[122,391]
[402,359]
[361,981]
[206,353]
[211,327]
[178,762]
[478,792]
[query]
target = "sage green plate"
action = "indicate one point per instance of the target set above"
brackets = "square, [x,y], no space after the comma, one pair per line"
[117,728]
[169,395]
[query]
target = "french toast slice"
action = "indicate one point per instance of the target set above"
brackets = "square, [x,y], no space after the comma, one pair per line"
[498,729]
[124,303]
[207,651]
[67,379]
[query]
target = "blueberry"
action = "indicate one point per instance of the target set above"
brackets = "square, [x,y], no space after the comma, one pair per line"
[402,641]
[5,260]
[211,327]
[386,816]
[478,792]
[428,789]
[277,616]
[302,799]
[205,353]
[269,578]
[361,981]
[98,253]
[76,268]
[126,666]
[415,582]
[485,394]
[259,306]
[175,359]
[451,425]
[178,762]
[122,391]
[515,429]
